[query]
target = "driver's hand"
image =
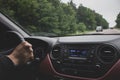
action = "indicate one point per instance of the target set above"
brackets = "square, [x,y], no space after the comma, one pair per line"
[22,53]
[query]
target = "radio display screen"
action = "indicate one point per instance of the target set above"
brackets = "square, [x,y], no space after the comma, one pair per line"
[78,53]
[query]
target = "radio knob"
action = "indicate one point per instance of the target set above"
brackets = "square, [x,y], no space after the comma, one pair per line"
[91,56]
[58,62]
[97,66]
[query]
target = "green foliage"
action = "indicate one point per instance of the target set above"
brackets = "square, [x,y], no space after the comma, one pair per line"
[118,21]
[52,16]
[23,11]
[90,18]
[47,20]
[81,27]
[101,21]
[86,16]
[73,5]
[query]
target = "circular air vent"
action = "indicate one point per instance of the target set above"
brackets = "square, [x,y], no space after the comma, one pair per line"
[107,54]
[56,52]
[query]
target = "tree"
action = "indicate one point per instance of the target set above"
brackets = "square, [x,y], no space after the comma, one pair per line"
[90,18]
[47,19]
[81,27]
[86,16]
[105,24]
[67,20]
[118,21]
[23,11]
[73,5]
[101,21]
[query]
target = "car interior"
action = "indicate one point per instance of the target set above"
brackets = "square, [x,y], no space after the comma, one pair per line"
[84,57]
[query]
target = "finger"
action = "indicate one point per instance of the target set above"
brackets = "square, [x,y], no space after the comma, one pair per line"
[29,50]
[32,56]
[28,47]
[25,43]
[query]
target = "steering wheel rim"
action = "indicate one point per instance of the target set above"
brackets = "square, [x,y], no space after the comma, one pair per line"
[9,35]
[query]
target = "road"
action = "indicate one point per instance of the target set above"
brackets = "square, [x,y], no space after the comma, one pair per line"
[107,31]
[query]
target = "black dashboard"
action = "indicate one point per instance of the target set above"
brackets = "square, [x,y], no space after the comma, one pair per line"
[85,56]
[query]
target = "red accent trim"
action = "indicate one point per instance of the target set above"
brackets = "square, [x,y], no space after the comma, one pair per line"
[47,68]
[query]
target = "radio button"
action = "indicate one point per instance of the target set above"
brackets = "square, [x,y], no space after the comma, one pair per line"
[58,62]
[91,56]
[98,66]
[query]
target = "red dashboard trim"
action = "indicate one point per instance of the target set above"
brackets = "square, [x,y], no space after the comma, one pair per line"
[46,67]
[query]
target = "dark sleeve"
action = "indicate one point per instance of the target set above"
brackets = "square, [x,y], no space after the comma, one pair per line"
[6,67]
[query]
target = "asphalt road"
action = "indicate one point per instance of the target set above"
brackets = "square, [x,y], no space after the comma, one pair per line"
[107,31]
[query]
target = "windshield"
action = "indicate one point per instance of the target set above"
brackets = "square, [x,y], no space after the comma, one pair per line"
[64,17]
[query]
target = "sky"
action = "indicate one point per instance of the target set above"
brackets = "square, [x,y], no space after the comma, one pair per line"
[108,8]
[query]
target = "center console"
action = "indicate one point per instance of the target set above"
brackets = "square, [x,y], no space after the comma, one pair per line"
[83,60]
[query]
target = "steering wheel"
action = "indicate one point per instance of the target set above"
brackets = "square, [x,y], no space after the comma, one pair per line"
[9,40]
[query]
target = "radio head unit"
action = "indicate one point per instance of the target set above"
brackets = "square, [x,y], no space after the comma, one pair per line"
[78,53]
[82,60]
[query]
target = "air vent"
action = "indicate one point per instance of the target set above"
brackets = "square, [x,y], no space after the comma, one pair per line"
[107,54]
[56,52]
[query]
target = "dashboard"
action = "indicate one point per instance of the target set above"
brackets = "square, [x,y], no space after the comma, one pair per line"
[84,60]
[86,57]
